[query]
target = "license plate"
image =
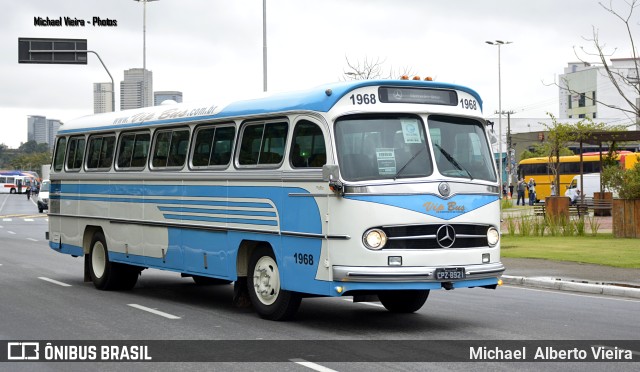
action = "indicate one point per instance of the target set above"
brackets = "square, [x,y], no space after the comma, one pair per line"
[450,273]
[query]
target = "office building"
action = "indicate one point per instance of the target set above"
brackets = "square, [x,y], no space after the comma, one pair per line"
[103,98]
[42,130]
[586,87]
[166,95]
[136,89]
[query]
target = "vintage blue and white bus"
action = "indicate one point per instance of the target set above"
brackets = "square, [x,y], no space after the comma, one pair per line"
[382,188]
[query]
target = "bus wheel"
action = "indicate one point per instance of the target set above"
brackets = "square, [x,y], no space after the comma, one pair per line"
[205,280]
[269,300]
[108,275]
[12,191]
[403,301]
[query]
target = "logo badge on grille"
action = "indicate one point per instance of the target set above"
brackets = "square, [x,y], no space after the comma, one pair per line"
[444,189]
[446,236]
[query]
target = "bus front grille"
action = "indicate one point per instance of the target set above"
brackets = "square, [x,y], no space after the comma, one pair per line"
[436,236]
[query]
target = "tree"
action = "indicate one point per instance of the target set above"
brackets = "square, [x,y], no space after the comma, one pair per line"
[31,161]
[32,146]
[369,69]
[560,134]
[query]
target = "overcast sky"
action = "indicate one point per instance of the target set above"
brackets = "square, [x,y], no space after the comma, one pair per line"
[211,50]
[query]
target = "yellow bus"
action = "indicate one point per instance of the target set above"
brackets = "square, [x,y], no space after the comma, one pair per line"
[538,169]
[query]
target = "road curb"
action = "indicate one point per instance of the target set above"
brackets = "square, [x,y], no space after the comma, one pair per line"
[565,285]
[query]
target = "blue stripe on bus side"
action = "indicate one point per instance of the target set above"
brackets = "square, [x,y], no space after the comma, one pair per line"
[73,250]
[303,214]
[218,211]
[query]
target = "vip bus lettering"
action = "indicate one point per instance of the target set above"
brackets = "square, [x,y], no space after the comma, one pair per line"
[453,207]
[429,206]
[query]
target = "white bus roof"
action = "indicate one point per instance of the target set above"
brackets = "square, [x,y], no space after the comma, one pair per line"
[321,98]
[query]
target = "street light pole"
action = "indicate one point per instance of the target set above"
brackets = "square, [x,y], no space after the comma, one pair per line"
[144,49]
[264,45]
[499,43]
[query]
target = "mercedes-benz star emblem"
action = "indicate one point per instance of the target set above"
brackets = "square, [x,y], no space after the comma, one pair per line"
[444,189]
[446,236]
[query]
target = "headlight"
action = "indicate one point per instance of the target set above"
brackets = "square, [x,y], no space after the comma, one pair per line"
[374,239]
[493,236]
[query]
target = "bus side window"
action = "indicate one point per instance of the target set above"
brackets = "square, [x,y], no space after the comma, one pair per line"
[141,150]
[75,153]
[58,158]
[308,149]
[263,144]
[212,146]
[100,152]
[178,148]
[133,150]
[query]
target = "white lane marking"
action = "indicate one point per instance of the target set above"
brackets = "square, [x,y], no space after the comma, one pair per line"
[154,311]
[28,219]
[7,219]
[601,297]
[32,239]
[312,365]
[54,281]
[11,232]
[364,303]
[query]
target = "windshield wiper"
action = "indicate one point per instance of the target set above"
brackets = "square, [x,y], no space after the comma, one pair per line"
[407,163]
[452,160]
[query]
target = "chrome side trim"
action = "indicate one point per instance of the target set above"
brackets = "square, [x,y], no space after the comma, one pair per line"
[381,274]
[124,221]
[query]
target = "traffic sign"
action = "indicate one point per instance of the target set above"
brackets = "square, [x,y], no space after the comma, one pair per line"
[52,51]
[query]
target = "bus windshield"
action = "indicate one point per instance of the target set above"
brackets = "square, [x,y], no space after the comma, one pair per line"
[390,147]
[461,148]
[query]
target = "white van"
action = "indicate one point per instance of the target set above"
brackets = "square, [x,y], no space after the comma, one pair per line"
[591,185]
[43,196]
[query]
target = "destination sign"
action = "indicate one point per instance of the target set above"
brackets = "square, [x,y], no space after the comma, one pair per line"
[418,95]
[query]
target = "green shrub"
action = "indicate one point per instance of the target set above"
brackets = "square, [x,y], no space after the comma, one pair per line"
[625,182]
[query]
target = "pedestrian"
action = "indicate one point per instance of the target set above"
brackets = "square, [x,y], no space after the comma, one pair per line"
[553,189]
[520,189]
[504,190]
[532,191]
[28,192]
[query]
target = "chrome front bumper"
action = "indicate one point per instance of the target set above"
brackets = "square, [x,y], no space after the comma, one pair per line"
[380,274]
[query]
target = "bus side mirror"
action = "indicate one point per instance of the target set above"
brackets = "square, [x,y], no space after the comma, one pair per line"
[331,173]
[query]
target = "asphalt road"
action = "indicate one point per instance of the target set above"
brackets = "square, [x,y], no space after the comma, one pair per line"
[43,297]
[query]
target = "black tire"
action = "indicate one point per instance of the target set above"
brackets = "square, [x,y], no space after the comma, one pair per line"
[263,283]
[40,210]
[107,275]
[205,280]
[403,301]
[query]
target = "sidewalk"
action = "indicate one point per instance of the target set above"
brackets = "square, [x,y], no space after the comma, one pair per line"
[570,276]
